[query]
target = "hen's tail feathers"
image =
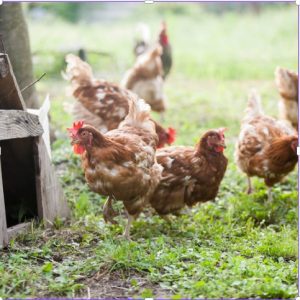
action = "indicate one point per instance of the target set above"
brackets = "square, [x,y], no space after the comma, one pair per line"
[78,72]
[142,39]
[254,108]
[139,112]
[287,83]
[142,33]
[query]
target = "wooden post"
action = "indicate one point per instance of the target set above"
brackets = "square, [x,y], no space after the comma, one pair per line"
[10,95]
[50,197]
[3,225]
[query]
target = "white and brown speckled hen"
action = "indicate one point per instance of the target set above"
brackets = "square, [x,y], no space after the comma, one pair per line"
[100,103]
[121,164]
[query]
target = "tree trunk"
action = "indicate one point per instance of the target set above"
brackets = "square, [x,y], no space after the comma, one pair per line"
[14,31]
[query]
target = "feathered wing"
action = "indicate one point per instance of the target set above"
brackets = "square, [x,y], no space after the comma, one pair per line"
[138,115]
[100,103]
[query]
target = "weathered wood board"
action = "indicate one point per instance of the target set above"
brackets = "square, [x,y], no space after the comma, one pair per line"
[42,114]
[17,229]
[3,225]
[19,124]
[51,201]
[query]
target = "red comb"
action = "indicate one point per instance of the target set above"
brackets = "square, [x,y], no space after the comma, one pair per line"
[163,37]
[171,135]
[76,126]
[222,130]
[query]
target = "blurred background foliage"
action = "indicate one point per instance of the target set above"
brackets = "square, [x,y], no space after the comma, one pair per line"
[210,40]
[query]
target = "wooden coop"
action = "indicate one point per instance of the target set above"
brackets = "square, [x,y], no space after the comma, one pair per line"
[29,187]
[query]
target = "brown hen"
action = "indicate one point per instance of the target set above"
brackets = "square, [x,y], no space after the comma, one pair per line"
[190,174]
[121,164]
[266,147]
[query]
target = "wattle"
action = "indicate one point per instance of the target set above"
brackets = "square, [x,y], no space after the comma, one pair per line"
[219,149]
[78,149]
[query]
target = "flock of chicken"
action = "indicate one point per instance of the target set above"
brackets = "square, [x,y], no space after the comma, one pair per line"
[122,148]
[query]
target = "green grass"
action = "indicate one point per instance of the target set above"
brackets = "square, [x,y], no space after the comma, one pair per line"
[239,245]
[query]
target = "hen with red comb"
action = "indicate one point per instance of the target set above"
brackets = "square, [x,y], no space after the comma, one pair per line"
[190,174]
[121,164]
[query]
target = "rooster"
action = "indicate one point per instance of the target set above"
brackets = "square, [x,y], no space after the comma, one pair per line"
[145,79]
[287,84]
[142,45]
[102,104]
[166,56]
[190,174]
[266,148]
[121,164]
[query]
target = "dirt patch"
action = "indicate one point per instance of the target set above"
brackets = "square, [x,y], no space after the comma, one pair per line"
[118,284]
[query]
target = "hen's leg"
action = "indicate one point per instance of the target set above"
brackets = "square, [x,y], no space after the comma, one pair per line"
[250,190]
[126,233]
[166,218]
[270,195]
[108,211]
[162,116]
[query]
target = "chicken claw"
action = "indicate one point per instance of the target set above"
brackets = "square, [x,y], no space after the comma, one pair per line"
[270,195]
[108,212]
[126,233]
[250,190]
[166,218]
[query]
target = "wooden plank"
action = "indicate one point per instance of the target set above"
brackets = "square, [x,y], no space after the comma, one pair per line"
[18,229]
[44,120]
[51,200]
[3,225]
[19,124]
[10,95]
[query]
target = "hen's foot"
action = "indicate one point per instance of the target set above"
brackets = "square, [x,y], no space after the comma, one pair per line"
[126,233]
[166,218]
[270,196]
[109,213]
[249,190]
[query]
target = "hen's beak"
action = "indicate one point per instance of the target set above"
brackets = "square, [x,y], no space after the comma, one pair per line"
[222,144]
[75,141]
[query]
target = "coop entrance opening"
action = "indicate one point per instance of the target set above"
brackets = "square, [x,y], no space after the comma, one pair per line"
[19,185]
